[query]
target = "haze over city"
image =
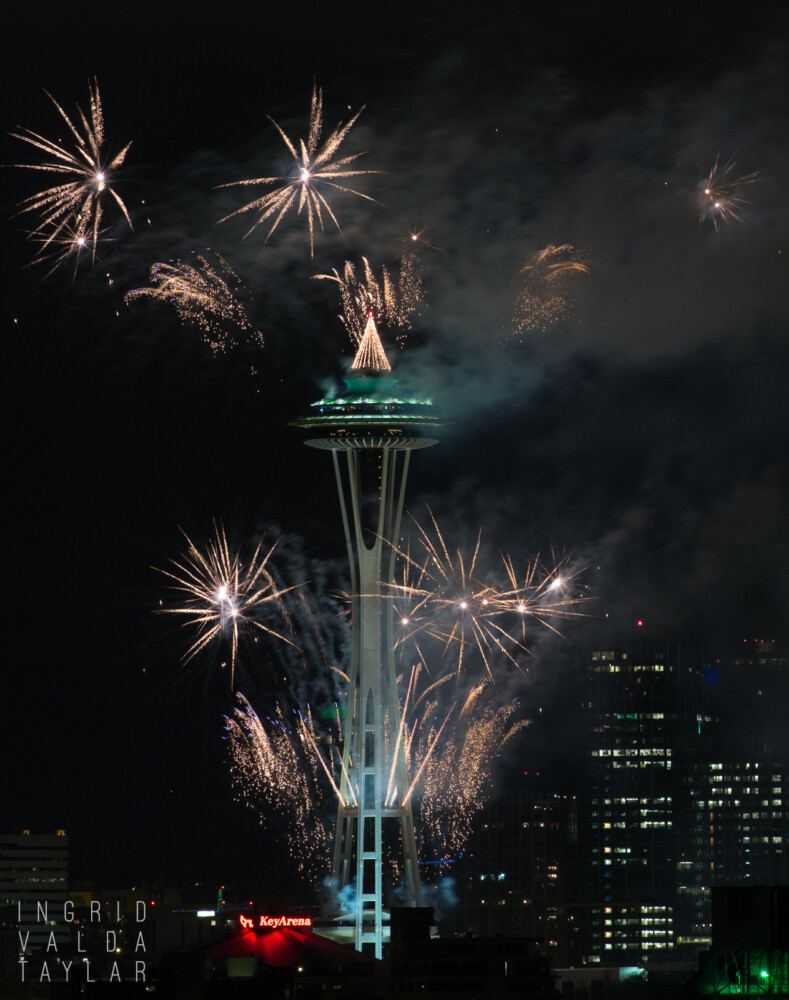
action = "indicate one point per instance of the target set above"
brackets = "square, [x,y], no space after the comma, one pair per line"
[640,431]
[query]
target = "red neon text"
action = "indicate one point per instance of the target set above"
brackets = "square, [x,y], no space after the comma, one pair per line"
[274,922]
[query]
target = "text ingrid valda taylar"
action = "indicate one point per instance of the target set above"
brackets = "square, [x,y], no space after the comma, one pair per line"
[64,942]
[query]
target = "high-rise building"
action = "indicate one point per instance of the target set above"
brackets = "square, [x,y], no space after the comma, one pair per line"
[736,834]
[687,772]
[644,710]
[734,813]
[752,686]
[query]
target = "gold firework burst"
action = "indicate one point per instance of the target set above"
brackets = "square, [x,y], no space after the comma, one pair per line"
[204,295]
[440,594]
[392,299]
[315,167]
[544,296]
[721,194]
[455,779]
[219,594]
[69,243]
[86,172]
[274,765]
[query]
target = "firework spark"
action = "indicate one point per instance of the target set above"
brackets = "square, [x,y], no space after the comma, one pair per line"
[314,168]
[720,194]
[545,293]
[219,594]
[205,295]
[86,171]
[418,235]
[392,300]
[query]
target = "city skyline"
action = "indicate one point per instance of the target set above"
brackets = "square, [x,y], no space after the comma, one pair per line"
[644,432]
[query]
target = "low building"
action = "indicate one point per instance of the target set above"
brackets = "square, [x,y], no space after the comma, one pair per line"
[518,873]
[750,943]
[434,968]
[34,879]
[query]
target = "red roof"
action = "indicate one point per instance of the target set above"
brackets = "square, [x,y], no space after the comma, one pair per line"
[287,946]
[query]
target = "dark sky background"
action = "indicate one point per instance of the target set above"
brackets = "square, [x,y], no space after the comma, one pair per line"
[645,434]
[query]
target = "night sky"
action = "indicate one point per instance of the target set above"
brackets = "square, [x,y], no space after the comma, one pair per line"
[644,434]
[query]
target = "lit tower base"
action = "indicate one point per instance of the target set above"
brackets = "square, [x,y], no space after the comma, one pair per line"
[371,433]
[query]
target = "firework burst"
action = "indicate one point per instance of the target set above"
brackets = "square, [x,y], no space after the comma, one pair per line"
[543,594]
[204,295]
[544,296]
[392,300]
[294,769]
[68,244]
[721,194]
[452,729]
[455,780]
[218,594]
[440,594]
[275,765]
[85,172]
[314,168]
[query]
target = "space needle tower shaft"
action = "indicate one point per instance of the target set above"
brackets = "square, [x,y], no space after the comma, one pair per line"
[371,433]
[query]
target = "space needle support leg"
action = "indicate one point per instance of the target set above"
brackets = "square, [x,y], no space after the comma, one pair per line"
[345,522]
[346,814]
[413,893]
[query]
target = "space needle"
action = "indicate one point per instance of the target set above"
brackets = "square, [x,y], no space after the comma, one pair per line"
[371,430]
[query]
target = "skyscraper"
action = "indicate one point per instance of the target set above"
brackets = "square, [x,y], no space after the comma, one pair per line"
[687,767]
[642,709]
[735,834]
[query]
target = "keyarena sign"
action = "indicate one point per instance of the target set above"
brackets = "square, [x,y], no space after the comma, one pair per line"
[272,923]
